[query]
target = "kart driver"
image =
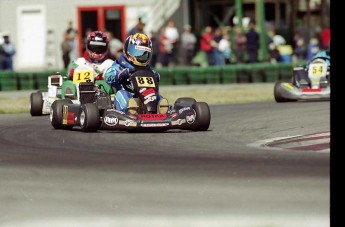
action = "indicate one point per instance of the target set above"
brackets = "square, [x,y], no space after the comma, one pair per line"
[137,51]
[324,54]
[96,55]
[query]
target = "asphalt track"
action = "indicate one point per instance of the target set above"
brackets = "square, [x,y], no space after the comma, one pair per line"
[179,178]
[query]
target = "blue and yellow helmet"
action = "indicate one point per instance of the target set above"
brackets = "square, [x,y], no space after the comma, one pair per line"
[138,49]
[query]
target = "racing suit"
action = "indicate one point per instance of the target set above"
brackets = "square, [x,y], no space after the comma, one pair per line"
[99,66]
[323,55]
[116,75]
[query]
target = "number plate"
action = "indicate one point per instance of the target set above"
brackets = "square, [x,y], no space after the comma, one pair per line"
[82,76]
[317,70]
[144,81]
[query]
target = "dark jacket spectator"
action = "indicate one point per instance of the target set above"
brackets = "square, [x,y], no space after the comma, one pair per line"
[252,43]
[240,42]
[188,41]
[7,50]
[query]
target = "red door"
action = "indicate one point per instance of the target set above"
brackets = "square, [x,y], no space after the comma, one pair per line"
[109,18]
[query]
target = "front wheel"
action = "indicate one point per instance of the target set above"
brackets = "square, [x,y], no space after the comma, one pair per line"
[277,93]
[185,100]
[89,118]
[56,114]
[36,104]
[203,116]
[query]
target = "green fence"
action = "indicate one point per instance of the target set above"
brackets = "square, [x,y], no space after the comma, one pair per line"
[236,73]
[10,80]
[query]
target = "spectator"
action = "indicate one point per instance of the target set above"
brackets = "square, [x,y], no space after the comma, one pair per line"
[66,49]
[115,46]
[274,54]
[313,48]
[165,48]
[87,32]
[252,43]
[7,50]
[188,41]
[325,37]
[138,28]
[71,34]
[172,35]
[299,48]
[240,42]
[224,47]
[217,56]
[155,49]
[206,44]
[2,54]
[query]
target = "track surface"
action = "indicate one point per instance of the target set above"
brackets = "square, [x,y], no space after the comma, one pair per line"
[179,178]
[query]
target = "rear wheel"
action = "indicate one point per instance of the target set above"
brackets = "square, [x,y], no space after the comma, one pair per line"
[36,104]
[89,118]
[203,116]
[56,114]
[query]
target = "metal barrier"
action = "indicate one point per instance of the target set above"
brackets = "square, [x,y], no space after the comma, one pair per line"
[236,73]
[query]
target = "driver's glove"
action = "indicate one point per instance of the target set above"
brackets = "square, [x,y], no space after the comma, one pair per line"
[123,75]
[158,76]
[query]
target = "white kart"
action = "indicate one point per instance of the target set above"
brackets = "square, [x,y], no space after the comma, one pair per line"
[60,87]
[312,83]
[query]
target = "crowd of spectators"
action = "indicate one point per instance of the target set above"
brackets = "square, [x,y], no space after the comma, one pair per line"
[215,45]
[231,45]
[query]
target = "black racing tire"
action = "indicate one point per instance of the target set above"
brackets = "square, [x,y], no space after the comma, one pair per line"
[277,93]
[203,116]
[36,103]
[56,110]
[188,100]
[89,118]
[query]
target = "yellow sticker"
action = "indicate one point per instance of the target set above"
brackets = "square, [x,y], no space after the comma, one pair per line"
[82,76]
[289,86]
[64,115]
[317,69]
[144,81]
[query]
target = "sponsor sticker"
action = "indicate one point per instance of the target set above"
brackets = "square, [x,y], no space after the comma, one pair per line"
[155,125]
[148,49]
[152,116]
[110,120]
[178,122]
[133,117]
[148,92]
[98,43]
[289,86]
[128,123]
[150,99]
[117,111]
[190,119]
[70,118]
[183,109]
[64,115]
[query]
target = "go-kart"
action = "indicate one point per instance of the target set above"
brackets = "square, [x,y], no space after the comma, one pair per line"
[60,87]
[309,83]
[144,113]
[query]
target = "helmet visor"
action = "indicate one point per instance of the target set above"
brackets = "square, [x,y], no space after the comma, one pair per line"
[97,47]
[141,53]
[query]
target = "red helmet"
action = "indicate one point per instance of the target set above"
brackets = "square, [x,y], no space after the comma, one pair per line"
[138,49]
[97,45]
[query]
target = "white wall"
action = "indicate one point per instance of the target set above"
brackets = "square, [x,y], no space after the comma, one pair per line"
[58,13]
